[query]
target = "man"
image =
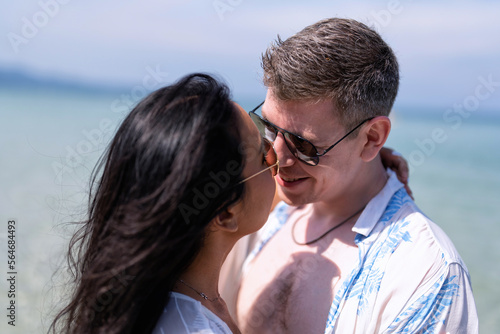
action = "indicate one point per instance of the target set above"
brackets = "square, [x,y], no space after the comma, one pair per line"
[348,251]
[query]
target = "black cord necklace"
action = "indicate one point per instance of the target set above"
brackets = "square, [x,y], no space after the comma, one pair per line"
[324,234]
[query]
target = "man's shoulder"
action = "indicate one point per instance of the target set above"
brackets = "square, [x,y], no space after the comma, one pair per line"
[409,225]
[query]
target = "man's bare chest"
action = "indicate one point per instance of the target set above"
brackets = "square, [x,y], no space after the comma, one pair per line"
[290,288]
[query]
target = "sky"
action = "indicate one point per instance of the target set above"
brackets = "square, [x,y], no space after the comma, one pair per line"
[446,49]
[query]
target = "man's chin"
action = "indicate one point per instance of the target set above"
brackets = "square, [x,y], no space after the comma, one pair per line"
[292,199]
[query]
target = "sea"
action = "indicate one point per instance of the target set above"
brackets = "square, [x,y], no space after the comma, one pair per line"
[51,138]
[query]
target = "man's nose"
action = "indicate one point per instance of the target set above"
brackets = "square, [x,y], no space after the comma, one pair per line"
[285,156]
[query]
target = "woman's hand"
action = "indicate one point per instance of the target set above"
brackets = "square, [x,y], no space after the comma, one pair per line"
[398,164]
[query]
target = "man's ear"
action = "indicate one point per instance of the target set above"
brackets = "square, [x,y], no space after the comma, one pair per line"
[375,134]
[226,221]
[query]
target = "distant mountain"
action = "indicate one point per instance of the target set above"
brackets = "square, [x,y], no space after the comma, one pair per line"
[16,78]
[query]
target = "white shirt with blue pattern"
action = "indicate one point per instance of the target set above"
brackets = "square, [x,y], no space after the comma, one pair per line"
[409,277]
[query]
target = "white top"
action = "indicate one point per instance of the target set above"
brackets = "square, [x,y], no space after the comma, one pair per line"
[185,315]
[409,278]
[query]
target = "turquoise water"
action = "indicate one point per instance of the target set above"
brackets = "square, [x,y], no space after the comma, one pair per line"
[458,186]
[51,139]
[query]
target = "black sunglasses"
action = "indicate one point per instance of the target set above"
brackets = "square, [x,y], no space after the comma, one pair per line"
[300,147]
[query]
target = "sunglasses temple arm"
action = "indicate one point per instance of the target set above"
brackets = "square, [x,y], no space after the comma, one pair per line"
[258,173]
[347,134]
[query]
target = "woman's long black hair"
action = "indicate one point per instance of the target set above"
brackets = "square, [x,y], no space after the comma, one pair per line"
[173,165]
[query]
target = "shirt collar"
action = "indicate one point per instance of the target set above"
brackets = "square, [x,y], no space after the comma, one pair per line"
[376,207]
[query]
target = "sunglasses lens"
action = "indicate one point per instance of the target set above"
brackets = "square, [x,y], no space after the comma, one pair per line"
[302,149]
[265,129]
[271,156]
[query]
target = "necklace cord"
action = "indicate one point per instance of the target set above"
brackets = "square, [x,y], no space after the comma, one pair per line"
[324,234]
[203,295]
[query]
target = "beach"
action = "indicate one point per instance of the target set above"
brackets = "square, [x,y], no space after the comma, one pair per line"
[52,138]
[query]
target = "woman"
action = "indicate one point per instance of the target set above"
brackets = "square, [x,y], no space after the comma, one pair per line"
[186,175]
[176,193]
